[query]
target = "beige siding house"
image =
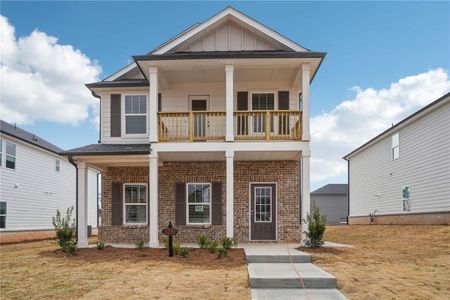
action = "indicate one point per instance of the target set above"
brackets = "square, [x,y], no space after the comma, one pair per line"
[402,176]
[209,131]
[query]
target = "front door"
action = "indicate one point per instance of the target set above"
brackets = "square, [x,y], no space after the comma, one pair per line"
[263,212]
[198,104]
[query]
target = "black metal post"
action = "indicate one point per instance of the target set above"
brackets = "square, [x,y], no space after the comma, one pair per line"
[170,240]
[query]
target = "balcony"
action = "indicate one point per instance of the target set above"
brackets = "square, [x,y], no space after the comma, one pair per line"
[201,126]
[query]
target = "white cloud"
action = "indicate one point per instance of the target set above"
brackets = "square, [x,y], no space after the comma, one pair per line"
[355,121]
[44,80]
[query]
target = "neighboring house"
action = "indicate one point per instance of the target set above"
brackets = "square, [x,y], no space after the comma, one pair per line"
[35,181]
[209,131]
[403,175]
[332,201]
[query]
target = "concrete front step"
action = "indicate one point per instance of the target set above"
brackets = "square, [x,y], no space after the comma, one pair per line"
[297,294]
[283,275]
[275,254]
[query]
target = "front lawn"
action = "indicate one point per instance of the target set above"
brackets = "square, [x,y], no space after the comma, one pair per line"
[38,270]
[389,262]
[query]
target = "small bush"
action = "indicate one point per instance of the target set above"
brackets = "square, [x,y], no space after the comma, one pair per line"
[184,252]
[140,244]
[202,241]
[65,230]
[316,229]
[165,241]
[212,246]
[100,245]
[176,248]
[227,243]
[222,252]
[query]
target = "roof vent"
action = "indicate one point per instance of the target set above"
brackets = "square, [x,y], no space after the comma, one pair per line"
[34,138]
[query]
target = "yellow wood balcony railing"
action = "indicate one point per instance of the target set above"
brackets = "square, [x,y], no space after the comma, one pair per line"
[248,125]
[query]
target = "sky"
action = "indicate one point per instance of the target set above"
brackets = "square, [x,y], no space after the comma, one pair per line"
[384,61]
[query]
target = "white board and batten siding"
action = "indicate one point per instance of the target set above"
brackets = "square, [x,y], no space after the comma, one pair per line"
[176,99]
[376,180]
[34,189]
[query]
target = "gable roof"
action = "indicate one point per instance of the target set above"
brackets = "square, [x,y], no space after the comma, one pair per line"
[109,149]
[421,112]
[332,188]
[27,137]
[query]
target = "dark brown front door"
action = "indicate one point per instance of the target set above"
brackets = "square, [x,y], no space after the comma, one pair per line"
[263,212]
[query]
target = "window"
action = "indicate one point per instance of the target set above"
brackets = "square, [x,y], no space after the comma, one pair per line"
[199,203]
[136,114]
[1,152]
[135,203]
[2,215]
[406,200]
[57,165]
[10,152]
[263,204]
[262,101]
[395,146]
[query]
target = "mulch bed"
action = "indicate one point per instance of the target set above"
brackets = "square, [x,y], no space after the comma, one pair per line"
[197,257]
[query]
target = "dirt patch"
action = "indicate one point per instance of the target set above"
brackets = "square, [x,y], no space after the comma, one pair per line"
[196,257]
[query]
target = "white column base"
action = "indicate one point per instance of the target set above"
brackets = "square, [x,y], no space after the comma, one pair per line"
[153,244]
[82,244]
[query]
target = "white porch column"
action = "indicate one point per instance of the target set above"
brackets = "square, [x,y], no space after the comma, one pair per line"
[305,197]
[153,104]
[82,207]
[229,154]
[229,69]
[305,99]
[153,194]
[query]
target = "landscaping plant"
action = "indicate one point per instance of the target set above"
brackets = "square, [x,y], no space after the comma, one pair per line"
[202,241]
[212,246]
[100,245]
[316,228]
[222,252]
[140,244]
[227,242]
[184,251]
[176,248]
[165,241]
[65,230]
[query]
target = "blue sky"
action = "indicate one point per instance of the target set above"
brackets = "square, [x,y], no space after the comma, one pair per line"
[369,45]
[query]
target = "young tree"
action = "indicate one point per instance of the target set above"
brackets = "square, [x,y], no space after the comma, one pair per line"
[316,228]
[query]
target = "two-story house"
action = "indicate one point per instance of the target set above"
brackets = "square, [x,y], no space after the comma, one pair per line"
[209,131]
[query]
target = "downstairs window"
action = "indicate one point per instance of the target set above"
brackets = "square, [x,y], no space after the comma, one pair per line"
[135,203]
[198,203]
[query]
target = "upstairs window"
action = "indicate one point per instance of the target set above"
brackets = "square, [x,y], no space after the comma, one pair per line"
[136,114]
[57,165]
[10,151]
[262,101]
[2,215]
[1,152]
[395,148]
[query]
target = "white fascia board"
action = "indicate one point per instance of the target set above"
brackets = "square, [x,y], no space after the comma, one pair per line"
[230,11]
[121,72]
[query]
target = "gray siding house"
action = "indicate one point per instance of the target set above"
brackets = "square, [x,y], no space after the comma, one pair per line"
[332,201]
[402,176]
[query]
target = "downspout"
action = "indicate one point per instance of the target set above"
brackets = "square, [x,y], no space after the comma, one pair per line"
[348,190]
[76,194]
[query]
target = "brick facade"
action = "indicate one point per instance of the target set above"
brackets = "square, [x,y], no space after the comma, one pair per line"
[284,173]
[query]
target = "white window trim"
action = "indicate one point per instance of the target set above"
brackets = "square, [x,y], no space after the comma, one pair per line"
[125,204]
[123,116]
[204,204]
[1,153]
[395,147]
[6,155]
[5,215]
[271,207]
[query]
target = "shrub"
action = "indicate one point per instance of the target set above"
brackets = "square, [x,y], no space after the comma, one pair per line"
[212,246]
[65,230]
[165,241]
[100,245]
[140,244]
[227,242]
[176,248]
[202,241]
[184,252]
[222,252]
[316,229]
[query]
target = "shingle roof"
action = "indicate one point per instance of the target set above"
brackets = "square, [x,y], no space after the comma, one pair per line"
[109,149]
[118,83]
[28,137]
[332,188]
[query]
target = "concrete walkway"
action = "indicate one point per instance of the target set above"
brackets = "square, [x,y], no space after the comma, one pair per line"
[279,271]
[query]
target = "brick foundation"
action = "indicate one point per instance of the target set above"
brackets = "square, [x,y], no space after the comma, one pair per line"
[284,173]
[438,218]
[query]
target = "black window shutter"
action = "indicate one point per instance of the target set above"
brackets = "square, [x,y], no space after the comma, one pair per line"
[159,102]
[180,207]
[116,203]
[116,115]
[216,203]
[283,100]
[283,120]
[242,121]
